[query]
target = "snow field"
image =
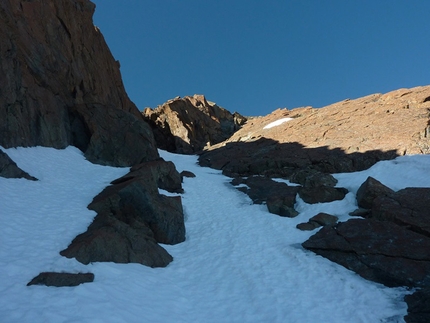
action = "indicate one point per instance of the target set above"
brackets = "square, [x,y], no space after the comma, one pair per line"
[238,264]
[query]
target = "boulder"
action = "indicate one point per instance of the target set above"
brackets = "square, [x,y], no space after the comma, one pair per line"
[312,178]
[279,197]
[409,207]
[186,173]
[369,190]
[187,125]
[61,279]
[319,220]
[61,85]
[322,194]
[9,169]
[108,239]
[132,218]
[308,226]
[380,251]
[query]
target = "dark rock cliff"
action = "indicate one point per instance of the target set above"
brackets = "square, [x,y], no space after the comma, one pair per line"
[60,85]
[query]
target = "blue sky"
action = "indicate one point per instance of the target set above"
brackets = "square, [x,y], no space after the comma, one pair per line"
[254,56]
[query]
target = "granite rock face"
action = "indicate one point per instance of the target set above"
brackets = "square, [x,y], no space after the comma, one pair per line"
[61,86]
[187,125]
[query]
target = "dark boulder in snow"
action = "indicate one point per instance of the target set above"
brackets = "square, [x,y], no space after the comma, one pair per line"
[370,190]
[111,240]
[61,279]
[312,178]
[132,218]
[186,173]
[319,220]
[279,197]
[380,251]
[322,194]
[9,169]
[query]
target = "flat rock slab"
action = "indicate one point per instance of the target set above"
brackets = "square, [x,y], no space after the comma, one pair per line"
[61,279]
[380,251]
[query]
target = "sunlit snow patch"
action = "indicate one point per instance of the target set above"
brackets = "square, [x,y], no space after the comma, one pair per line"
[277,123]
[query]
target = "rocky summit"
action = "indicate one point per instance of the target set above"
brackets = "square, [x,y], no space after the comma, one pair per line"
[188,125]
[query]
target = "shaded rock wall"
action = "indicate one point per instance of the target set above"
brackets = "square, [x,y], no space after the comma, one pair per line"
[60,85]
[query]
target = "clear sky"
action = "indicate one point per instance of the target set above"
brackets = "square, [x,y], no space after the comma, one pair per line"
[254,56]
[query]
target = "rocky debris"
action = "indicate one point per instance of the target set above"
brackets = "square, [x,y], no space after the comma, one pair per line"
[61,85]
[9,169]
[187,125]
[380,251]
[132,218]
[369,190]
[418,306]
[322,194]
[317,221]
[279,197]
[61,279]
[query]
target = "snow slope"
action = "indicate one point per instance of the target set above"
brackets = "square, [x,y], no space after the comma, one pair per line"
[238,264]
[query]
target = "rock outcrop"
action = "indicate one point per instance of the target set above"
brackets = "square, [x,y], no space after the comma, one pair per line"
[9,169]
[380,251]
[389,246]
[61,279]
[61,86]
[346,136]
[132,218]
[279,197]
[187,125]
